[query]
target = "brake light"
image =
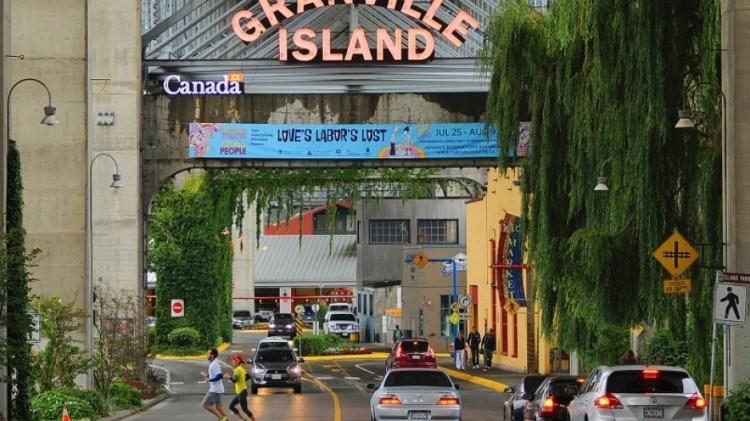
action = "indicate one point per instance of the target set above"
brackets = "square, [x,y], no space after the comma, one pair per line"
[548,406]
[389,399]
[608,401]
[696,402]
[650,374]
[448,400]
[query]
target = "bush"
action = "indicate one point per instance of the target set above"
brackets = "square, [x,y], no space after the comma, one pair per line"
[738,403]
[49,405]
[92,397]
[664,349]
[317,344]
[124,396]
[184,337]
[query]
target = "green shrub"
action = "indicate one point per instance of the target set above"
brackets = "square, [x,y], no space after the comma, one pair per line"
[182,351]
[48,406]
[664,349]
[316,344]
[738,403]
[124,396]
[184,337]
[92,397]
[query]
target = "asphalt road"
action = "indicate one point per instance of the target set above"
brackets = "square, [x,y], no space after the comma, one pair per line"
[333,389]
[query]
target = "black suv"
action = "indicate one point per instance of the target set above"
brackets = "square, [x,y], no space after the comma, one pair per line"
[282,324]
[551,399]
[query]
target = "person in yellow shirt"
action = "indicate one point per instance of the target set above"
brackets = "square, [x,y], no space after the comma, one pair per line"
[240,388]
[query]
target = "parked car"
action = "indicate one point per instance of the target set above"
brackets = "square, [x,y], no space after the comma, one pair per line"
[282,324]
[341,323]
[411,353]
[263,315]
[308,315]
[520,396]
[241,319]
[276,367]
[338,307]
[638,392]
[551,399]
[415,394]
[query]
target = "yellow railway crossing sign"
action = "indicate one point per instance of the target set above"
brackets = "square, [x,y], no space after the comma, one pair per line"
[676,254]
[676,286]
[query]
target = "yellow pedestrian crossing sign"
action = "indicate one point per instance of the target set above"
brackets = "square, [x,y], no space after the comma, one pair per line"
[676,254]
[420,260]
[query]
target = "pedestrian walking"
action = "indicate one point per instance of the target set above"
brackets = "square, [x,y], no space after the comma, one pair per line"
[489,344]
[474,340]
[459,347]
[215,380]
[239,378]
[397,334]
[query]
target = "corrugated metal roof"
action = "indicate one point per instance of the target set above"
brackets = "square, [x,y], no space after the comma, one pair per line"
[280,261]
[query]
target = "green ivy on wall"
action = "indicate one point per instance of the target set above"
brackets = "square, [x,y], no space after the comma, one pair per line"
[601,83]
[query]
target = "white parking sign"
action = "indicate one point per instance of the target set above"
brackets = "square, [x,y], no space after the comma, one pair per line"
[730,304]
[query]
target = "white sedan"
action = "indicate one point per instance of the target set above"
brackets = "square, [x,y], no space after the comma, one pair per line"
[415,394]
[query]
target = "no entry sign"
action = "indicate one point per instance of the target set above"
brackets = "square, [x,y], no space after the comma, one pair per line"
[178,308]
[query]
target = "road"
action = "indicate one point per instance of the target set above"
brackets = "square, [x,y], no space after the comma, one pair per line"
[333,389]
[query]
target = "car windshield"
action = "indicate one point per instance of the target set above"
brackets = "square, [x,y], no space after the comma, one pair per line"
[533,382]
[273,344]
[338,307]
[275,356]
[283,318]
[646,381]
[417,378]
[414,346]
[343,317]
[559,388]
[242,313]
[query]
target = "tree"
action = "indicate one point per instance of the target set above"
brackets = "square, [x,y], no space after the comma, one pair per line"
[601,83]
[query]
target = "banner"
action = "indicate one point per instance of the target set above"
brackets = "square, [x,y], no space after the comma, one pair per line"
[346,141]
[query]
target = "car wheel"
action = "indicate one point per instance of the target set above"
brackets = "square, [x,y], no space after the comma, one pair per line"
[253,389]
[297,388]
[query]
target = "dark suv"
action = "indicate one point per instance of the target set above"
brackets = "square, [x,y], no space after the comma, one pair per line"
[276,367]
[550,401]
[411,353]
[520,396]
[282,324]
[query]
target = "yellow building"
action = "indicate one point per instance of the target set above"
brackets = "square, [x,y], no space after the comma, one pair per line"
[500,282]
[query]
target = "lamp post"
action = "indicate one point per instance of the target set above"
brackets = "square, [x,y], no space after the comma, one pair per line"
[686,122]
[17,298]
[116,184]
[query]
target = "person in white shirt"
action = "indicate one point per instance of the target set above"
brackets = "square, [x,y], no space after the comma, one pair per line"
[214,377]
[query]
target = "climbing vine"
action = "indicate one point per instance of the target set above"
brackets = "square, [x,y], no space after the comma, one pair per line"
[601,83]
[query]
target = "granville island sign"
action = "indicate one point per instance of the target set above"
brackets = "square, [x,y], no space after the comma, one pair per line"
[386,45]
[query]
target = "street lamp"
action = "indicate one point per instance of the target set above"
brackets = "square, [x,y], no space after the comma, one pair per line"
[17,298]
[686,122]
[601,181]
[116,184]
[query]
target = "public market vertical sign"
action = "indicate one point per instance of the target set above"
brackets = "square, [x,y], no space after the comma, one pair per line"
[305,44]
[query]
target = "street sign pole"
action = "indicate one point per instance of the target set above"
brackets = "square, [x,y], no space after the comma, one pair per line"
[713,357]
[420,260]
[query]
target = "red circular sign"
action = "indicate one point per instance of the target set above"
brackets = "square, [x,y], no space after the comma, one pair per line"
[177,307]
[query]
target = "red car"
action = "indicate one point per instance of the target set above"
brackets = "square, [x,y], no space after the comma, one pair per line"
[411,353]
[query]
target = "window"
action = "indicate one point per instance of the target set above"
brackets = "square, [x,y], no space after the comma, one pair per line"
[446,327]
[437,231]
[389,231]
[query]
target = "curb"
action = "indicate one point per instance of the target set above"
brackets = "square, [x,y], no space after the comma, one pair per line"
[128,412]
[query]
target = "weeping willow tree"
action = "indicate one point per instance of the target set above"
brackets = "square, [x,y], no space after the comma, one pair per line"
[601,83]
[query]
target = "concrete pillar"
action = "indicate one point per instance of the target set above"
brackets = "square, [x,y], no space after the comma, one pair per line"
[735,63]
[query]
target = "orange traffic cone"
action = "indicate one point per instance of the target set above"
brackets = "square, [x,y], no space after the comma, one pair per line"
[65,416]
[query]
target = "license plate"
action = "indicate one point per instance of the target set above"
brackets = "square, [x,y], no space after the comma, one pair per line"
[653,412]
[419,415]
[275,376]
[345,334]
[416,357]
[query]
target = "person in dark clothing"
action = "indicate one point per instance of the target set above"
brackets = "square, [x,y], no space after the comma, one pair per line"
[474,340]
[459,347]
[489,345]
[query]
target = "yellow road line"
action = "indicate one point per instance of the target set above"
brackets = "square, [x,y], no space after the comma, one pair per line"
[336,403]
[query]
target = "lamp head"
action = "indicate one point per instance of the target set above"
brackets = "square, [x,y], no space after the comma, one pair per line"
[49,116]
[601,184]
[686,119]
[116,181]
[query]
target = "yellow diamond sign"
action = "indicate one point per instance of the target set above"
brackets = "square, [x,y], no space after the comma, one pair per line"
[421,260]
[454,318]
[676,254]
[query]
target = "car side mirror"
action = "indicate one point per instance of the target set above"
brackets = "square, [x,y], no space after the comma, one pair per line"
[372,386]
[300,360]
[528,396]
[457,386]
[509,390]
